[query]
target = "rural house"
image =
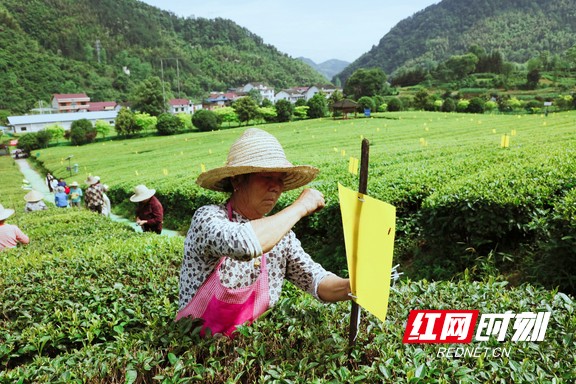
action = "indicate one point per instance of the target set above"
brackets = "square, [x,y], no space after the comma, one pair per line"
[35,123]
[70,102]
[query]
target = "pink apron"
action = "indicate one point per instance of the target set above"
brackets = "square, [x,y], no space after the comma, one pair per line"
[223,309]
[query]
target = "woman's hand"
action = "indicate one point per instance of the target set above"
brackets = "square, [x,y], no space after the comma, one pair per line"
[311,200]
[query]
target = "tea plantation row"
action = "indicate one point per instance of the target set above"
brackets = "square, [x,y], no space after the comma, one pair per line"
[462,200]
[91,301]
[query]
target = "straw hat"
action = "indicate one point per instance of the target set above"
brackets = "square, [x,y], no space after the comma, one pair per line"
[92,180]
[5,213]
[74,184]
[141,193]
[33,196]
[257,151]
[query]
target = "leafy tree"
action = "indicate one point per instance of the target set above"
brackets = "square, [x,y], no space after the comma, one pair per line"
[462,105]
[395,105]
[102,127]
[149,98]
[365,102]
[267,113]
[317,106]
[125,122]
[226,115]
[301,112]
[186,120]
[300,103]
[82,132]
[28,142]
[366,82]
[532,79]
[476,105]
[56,131]
[448,105]
[284,111]
[205,120]
[421,99]
[169,124]
[145,121]
[460,66]
[43,137]
[246,109]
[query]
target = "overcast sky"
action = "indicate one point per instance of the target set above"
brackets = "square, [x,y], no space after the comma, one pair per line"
[317,29]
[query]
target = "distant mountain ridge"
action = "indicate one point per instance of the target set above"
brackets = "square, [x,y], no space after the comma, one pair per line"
[519,29]
[329,68]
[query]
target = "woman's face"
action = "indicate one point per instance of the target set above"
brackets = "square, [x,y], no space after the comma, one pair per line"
[257,193]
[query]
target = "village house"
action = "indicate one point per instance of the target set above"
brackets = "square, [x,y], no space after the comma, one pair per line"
[219,100]
[265,91]
[98,106]
[70,102]
[36,123]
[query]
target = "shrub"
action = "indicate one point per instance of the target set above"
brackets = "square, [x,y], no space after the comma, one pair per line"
[205,120]
[169,124]
[82,132]
[28,142]
[476,105]
[449,105]
[395,105]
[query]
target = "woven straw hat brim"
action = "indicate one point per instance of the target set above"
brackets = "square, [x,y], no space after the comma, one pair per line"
[296,176]
[254,152]
[138,197]
[33,196]
[5,213]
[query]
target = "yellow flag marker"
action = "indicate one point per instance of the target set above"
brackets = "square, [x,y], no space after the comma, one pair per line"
[335,149]
[513,133]
[137,174]
[505,141]
[353,165]
[369,229]
[203,168]
[343,152]
[165,172]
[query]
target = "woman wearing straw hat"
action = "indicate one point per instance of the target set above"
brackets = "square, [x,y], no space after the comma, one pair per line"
[10,235]
[75,195]
[235,257]
[34,201]
[93,197]
[149,212]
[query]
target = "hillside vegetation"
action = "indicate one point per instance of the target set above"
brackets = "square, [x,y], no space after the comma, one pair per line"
[463,202]
[520,30]
[89,300]
[77,46]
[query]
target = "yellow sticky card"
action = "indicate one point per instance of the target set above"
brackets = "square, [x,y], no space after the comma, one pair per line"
[343,152]
[353,166]
[203,167]
[165,172]
[505,141]
[369,229]
[335,149]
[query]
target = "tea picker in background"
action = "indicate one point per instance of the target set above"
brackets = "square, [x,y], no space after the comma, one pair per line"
[236,258]
[106,206]
[93,198]
[60,198]
[34,201]
[149,212]
[10,235]
[51,182]
[75,195]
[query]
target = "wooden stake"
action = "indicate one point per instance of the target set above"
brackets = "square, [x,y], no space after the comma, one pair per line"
[362,188]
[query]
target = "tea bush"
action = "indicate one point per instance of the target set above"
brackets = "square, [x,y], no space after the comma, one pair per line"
[460,197]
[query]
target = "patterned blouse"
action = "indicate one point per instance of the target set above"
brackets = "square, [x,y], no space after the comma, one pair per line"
[212,235]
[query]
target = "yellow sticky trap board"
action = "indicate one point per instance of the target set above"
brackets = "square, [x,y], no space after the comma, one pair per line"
[369,229]
[353,165]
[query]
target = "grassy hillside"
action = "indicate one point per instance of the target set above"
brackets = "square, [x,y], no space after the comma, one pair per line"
[91,301]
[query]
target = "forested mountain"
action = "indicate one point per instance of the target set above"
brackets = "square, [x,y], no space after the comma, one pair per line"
[107,47]
[518,29]
[328,68]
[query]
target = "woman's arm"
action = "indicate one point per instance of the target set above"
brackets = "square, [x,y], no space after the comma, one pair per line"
[271,229]
[333,288]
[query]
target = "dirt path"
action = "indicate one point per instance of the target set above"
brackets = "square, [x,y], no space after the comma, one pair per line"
[38,183]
